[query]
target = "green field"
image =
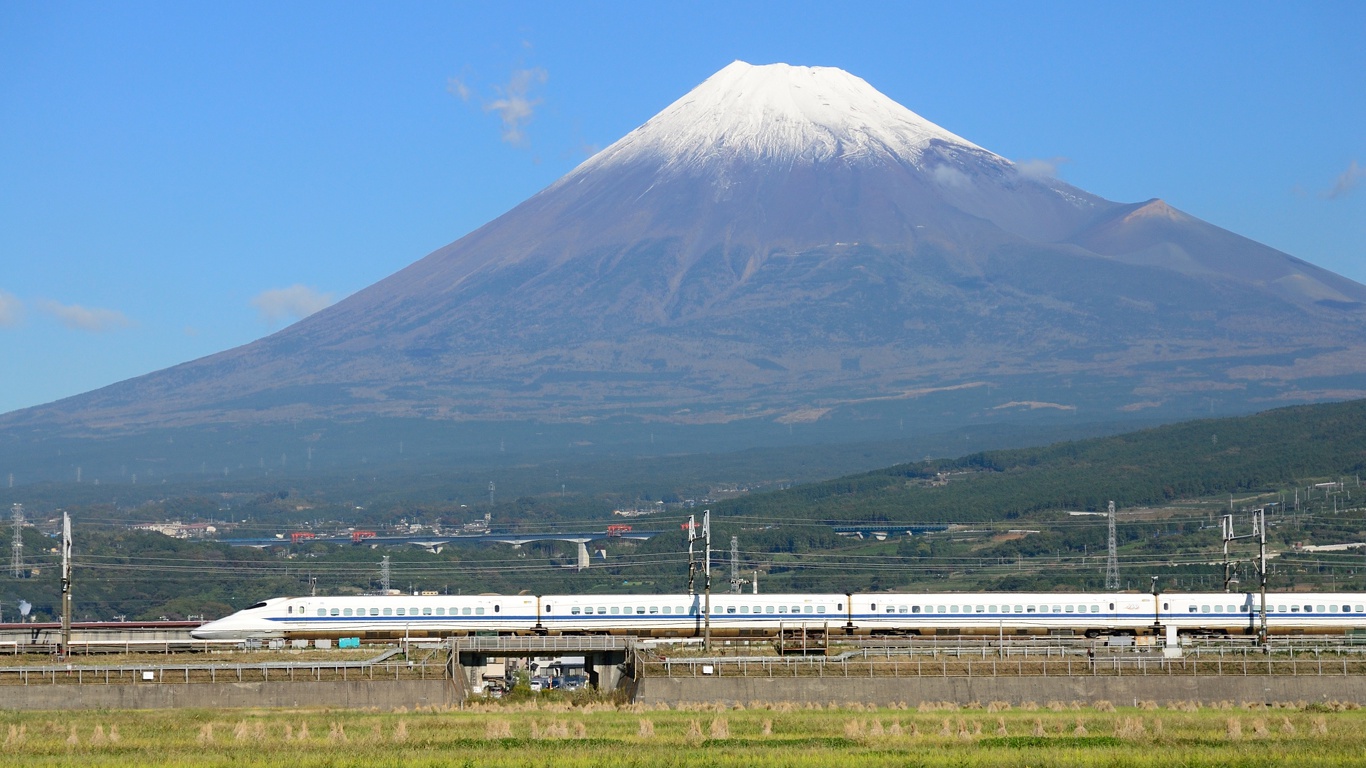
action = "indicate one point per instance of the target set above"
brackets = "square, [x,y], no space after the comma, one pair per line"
[557,733]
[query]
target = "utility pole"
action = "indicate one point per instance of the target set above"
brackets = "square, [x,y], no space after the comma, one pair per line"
[691,528]
[1258,533]
[706,533]
[66,585]
[1112,562]
[384,574]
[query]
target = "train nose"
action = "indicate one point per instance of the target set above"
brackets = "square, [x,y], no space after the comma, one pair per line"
[223,629]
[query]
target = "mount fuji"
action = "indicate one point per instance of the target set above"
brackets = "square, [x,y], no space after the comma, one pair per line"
[786,245]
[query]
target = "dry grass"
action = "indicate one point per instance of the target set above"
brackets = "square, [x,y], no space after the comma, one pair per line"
[756,737]
[1130,728]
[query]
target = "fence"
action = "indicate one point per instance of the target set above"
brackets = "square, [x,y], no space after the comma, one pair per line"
[378,668]
[1054,657]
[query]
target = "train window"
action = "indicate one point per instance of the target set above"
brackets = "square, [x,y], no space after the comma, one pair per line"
[873,607]
[1194,608]
[805,609]
[1029,609]
[1308,609]
[1166,607]
[730,609]
[574,611]
[981,609]
[1095,609]
[388,611]
[322,611]
[768,609]
[640,610]
[440,611]
[654,609]
[335,612]
[744,609]
[374,611]
[426,611]
[1067,609]
[479,610]
[940,609]
[1346,609]
[891,609]
[497,608]
[615,610]
[782,609]
[1057,609]
[346,612]
[992,609]
[465,611]
[413,611]
[399,611]
[1294,609]
[952,609]
[680,610]
[1019,609]
[1112,606]
[289,609]
[1320,609]
[1204,609]
[821,609]
[1359,609]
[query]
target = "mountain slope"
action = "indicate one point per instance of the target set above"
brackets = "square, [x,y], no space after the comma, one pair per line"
[788,244]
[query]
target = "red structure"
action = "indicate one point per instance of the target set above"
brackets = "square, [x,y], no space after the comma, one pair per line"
[359,536]
[299,536]
[617,530]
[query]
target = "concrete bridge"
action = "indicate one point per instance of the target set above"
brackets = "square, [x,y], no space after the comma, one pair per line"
[435,543]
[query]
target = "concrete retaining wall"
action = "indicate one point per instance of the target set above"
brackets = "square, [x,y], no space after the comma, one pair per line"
[354,694]
[911,691]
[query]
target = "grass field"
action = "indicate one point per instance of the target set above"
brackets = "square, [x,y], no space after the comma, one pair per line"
[565,735]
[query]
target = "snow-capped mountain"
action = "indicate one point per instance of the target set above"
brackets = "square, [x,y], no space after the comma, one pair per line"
[788,244]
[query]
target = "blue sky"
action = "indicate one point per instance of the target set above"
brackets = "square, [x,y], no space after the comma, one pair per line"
[180,178]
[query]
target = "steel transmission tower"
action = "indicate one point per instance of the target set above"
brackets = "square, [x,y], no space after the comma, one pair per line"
[734,564]
[16,560]
[1112,562]
[384,574]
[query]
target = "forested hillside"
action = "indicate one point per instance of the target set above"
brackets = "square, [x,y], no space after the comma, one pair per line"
[1274,449]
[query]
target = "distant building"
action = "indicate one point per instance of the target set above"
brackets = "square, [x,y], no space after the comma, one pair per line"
[178,530]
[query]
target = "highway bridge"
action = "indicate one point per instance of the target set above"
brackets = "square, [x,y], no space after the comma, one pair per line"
[435,543]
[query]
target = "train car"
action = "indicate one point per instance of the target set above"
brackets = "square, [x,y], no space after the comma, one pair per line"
[377,617]
[912,614]
[991,613]
[684,615]
[1240,613]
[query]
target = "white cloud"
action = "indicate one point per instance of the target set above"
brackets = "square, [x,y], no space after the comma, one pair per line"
[11,310]
[77,317]
[950,176]
[457,88]
[515,107]
[1040,168]
[1346,181]
[294,302]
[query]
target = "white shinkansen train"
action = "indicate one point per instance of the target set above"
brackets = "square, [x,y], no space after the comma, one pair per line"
[949,613]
